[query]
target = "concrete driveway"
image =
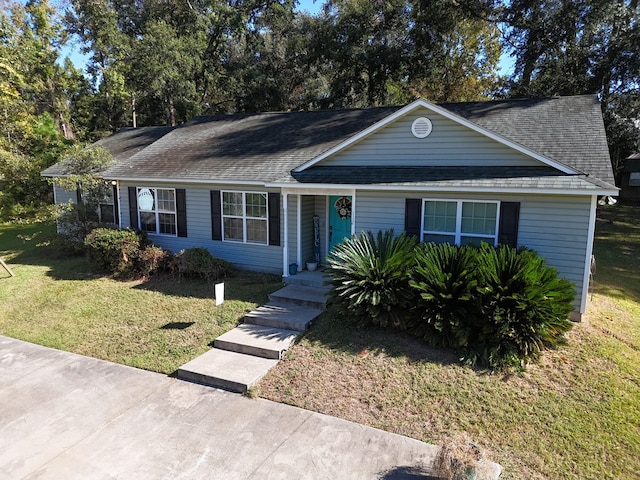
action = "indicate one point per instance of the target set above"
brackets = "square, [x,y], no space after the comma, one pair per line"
[65,416]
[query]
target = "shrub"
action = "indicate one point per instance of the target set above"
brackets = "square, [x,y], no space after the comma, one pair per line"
[446,280]
[499,307]
[525,308]
[198,262]
[370,277]
[115,250]
[152,259]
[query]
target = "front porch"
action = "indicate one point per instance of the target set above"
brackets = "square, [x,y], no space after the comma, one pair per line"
[314,222]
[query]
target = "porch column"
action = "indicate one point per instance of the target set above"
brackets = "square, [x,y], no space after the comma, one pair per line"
[299,231]
[285,244]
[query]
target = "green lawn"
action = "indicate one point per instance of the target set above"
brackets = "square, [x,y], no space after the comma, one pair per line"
[576,415]
[59,301]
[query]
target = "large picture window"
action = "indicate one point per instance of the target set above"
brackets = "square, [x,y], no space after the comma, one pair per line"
[157,210]
[244,217]
[460,222]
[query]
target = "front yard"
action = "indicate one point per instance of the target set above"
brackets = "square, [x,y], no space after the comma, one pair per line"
[573,416]
[59,301]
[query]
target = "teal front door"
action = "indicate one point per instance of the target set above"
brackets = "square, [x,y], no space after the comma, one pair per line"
[339,219]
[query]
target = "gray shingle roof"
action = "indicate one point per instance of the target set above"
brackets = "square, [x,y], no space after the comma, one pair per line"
[569,130]
[244,147]
[123,144]
[440,177]
[267,147]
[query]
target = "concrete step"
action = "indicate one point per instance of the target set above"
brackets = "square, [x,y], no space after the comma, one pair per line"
[276,315]
[311,297]
[257,340]
[228,370]
[308,279]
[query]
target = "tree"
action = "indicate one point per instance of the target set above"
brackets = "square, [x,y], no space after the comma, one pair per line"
[34,97]
[565,47]
[96,23]
[390,51]
[83,168]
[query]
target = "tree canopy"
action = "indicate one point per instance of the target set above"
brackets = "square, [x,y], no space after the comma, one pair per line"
[154,62]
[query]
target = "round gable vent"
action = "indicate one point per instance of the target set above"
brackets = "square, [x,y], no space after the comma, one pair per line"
[421,127]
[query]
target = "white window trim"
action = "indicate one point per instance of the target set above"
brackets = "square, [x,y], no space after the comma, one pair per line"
[458,234]
[244,217]
[108,200]
[157,211]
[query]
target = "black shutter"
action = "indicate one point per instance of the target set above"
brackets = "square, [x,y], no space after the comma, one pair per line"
[509,219]
[116,205]
[133,207]
[412,216]
[79,195]
[274,218]
[181,211]
[216,215]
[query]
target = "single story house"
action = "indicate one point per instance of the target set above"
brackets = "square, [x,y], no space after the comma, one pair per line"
[268,190]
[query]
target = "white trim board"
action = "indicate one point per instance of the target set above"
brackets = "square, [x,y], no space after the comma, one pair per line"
[328,189]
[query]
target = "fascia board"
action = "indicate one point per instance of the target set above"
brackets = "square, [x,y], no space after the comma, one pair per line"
[494,190]
[185,180]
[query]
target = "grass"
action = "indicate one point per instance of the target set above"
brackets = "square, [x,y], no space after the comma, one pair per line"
[575,415]
[59,301]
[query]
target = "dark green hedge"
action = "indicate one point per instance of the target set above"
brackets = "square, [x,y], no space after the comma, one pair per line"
[498,307]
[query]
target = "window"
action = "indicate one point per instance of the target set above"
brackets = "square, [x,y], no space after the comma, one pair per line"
[106,209]
[157,210]
[244,217]
[459,222]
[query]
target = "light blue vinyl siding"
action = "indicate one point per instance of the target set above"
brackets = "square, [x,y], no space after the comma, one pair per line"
[263,258]
[555,226]
[449,144]
[63,196]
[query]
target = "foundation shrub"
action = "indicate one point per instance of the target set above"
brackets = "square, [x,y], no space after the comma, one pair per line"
[525,308]
[115,250]
[152,259]
[445,278]
[371,277]
[198,262]
[499,308]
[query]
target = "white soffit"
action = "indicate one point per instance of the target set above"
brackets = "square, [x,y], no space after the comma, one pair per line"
[447,114]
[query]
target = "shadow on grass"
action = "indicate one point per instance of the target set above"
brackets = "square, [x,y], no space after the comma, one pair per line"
[617,252]
[39,245]
[177,325]
[336,332]
[241,285]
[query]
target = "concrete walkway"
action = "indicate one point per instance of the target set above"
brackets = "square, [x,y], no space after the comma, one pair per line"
[242,356]
[65,416]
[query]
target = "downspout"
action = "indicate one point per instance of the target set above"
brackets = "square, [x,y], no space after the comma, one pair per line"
[587,263]
[299,231]
[116,198]
[285,246]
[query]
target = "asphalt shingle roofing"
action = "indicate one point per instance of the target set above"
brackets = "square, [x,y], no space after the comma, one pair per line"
[449,177]
[266,147]
[123,144]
